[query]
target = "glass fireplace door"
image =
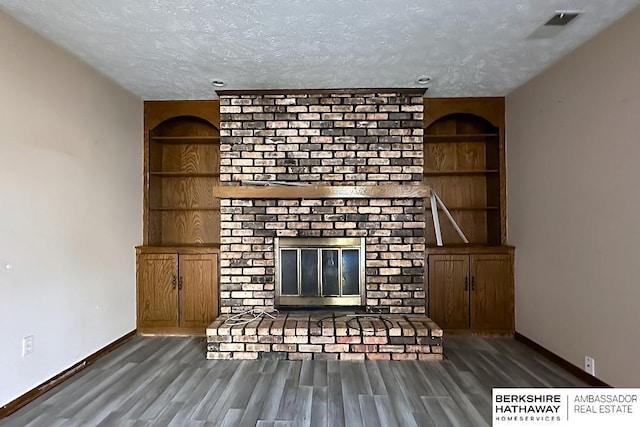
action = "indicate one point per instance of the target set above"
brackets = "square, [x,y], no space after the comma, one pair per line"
[320,272]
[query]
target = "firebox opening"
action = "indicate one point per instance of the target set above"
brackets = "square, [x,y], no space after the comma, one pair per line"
[320,272]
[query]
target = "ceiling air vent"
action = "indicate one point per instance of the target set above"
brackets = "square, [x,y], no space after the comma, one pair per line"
[562,18]
[553,26]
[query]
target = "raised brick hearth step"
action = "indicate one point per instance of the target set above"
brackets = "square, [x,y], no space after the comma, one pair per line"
[327,336]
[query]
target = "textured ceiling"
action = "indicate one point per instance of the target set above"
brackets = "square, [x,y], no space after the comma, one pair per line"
[161,49]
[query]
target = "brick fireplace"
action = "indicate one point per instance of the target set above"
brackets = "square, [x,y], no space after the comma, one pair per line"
[359,140]
[325,139]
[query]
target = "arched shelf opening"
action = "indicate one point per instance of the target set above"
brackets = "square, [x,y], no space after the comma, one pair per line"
[462,164]
[183,167]
[461,124]
[187,128]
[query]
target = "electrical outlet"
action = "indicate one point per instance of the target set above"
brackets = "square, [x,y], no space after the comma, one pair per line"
[589,365]
[27,345]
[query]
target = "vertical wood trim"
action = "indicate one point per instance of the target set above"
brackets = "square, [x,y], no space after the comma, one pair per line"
[145,188]
[503,181]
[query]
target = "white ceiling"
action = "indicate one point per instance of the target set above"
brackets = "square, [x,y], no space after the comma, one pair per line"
[161,49]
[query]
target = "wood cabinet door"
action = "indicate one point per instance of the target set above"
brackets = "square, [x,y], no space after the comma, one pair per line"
[199,290]
[449,291]
[157,290]
[491,292]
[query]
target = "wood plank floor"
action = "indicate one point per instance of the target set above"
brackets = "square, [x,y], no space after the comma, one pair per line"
[165,381]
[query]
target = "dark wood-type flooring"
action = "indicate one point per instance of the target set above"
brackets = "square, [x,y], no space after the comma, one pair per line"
[166,381]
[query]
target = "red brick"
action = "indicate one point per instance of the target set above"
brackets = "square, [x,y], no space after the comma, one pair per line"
[245,338]
[388,348]
[375,340]
[285,347]
[355,339]
[310,348]
[362,348]
[231,347]
[351,356]
[296,340]
[245,355]
[336,348]
[404,356]
[419,348]
[322,340]
[258,347]
[270,339]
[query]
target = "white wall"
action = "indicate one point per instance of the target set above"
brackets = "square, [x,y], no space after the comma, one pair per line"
[573,170]
[70,209]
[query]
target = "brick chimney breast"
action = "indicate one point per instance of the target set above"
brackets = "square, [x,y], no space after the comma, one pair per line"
[338,139]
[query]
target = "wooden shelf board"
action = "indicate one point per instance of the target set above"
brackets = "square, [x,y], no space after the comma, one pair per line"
[186,174]
[461,137]
[465,172]
[185,245]
[323,192]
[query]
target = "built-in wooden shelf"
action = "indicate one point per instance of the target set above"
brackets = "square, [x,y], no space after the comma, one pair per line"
[186,174]
[180,248]
[461,172]
[186,139]
[323,192]
[484,137]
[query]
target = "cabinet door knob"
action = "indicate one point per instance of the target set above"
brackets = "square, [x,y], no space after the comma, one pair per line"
[473,283]
[180,283]
[466,283]
[173,281]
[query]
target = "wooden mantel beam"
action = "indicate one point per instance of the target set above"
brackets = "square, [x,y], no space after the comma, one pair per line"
[323,192]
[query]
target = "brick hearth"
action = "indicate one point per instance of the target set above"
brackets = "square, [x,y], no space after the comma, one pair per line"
[327,336]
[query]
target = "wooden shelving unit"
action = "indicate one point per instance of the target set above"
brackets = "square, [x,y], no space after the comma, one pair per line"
[184,159]
[470,287]
[177,265]
[462,163]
